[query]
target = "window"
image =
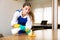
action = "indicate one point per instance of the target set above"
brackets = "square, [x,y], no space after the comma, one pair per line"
[48,14]
[38,15]
[43,14]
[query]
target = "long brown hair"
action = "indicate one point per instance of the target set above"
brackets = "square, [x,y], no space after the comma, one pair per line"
[30,13]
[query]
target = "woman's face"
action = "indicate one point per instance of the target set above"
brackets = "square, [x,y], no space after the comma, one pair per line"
[26,9]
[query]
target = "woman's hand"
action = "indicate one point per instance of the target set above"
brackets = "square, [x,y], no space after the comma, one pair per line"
[16,25]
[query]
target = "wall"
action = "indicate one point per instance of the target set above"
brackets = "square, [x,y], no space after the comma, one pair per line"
[7,9]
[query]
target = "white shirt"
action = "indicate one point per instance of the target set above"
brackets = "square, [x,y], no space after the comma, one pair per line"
[16,15]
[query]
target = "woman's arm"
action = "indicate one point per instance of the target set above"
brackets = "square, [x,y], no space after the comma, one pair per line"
[14,19]
[29,23]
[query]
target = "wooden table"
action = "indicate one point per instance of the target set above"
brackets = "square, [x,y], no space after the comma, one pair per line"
[45,34]
[18,37]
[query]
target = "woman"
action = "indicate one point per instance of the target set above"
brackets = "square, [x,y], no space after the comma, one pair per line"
[23,17]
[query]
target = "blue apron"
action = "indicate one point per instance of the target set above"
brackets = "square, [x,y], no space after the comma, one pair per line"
[21,21]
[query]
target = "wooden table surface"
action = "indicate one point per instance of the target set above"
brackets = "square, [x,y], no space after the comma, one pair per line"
[18,37]
[40,35]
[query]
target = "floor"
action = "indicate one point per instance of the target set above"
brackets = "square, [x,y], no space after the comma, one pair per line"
[46,34]
[43,34]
